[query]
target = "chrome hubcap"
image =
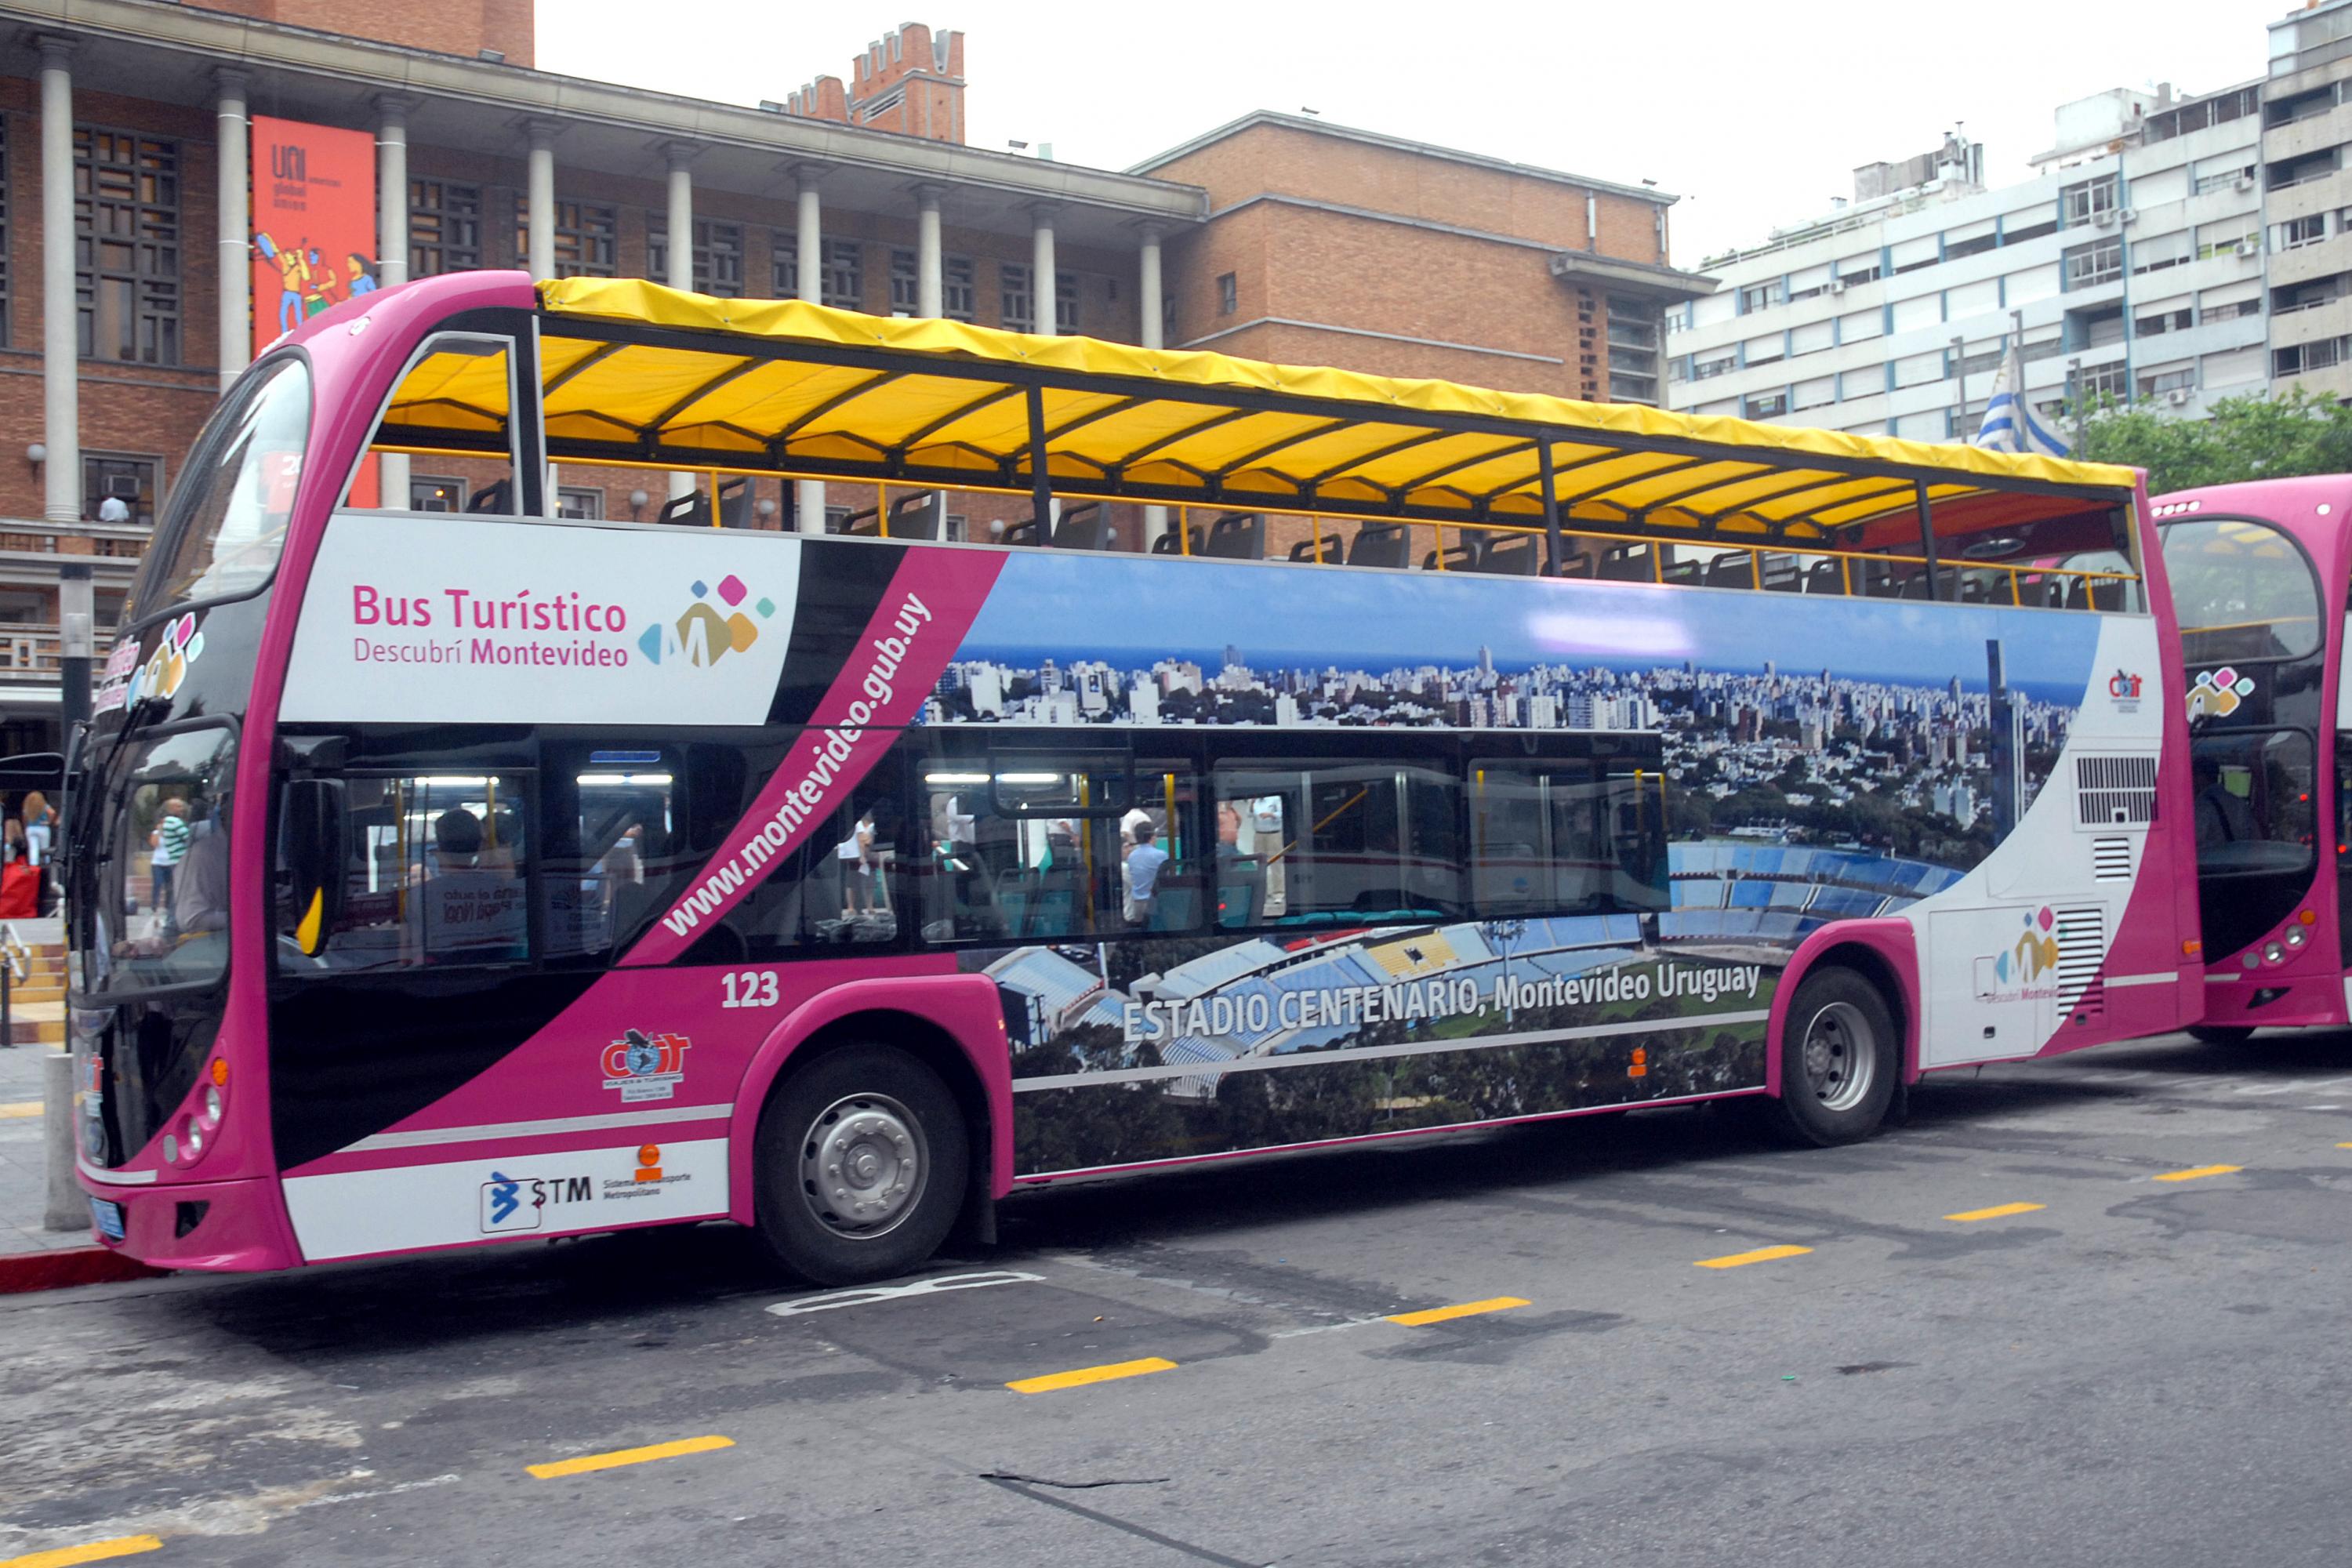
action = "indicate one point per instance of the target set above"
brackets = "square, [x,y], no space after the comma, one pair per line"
[1841,1057]
[863,1165]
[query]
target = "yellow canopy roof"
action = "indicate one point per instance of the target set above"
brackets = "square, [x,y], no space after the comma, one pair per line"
[632,370]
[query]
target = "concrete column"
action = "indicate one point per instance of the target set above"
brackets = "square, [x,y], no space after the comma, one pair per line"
[1148,289]
[234,249]
[931,275]
[542,199]
[808,495]
[391,249]
[1041,266]
[60,316]
[65,1207]
[682,254]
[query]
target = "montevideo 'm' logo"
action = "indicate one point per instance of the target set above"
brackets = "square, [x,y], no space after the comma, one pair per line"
[2035,953]
[161,676]
[703,634]
[2218,693]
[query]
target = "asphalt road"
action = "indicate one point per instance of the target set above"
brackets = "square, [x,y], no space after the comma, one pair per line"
[2137,1371]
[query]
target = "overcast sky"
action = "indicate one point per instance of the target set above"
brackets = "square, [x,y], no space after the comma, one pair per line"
[1755,113]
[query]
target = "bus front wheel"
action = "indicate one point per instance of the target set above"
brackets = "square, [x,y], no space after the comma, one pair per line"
[861,1165]
[2219,1034]
[1839,1059]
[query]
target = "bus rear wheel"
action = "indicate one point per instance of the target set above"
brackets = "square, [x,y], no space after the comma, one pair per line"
[1839,1059]
[861,1165]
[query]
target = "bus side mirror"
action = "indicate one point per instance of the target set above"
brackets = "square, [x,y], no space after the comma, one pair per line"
[314,839]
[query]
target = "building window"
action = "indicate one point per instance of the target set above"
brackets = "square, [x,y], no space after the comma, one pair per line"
[445,227]
[112,476]
[2092,265]
[426,494]
[587,235]
[2162,321]
[2107,381]
[2027,231]
[2298,232]
[2226,241]
[3,237]
[1760,296]
[1723,360]
[1065,302]
[126,245]
[2181,380]
[1632,350]
[956,292]
[844,275]
[906,281]
[1228,294]
[2090,200]
[717,260]
[1765,404]
[1858,271]
[1019,307]
[2290,172]
[582,501]
[2316,355]
[787,268]
[2241,178]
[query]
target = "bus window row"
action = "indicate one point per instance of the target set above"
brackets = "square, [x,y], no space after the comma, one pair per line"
[567,859]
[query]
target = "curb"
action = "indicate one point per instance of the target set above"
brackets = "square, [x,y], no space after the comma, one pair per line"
[61,1267]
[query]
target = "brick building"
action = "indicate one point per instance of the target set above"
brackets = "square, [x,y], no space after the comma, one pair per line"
[125,139]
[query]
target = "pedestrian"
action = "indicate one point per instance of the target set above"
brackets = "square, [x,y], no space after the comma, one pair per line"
[113,510]
[1140,871]
[41,824]
[167,847]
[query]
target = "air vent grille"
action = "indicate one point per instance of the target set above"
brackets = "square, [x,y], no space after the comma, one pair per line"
[2111,859]
[2082,948]
[2116,792]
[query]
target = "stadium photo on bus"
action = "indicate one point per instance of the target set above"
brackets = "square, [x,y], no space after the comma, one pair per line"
[1170,758]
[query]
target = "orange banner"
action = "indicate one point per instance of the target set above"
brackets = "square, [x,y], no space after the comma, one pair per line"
[313,222]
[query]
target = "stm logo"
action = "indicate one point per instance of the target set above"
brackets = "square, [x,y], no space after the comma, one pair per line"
[706,633]
[520,1202]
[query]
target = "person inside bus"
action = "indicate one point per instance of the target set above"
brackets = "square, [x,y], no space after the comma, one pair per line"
[470,911]
[2222,814]
[1241,878]
[1140,872]
[200,888]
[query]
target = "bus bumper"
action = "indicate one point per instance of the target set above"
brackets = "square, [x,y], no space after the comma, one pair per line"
[228,1226]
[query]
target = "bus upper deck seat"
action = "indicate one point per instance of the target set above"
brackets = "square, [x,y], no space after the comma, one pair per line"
[1826,577]
[1731,570]
[1386,545]
[1511,555]
[1237,536]
[1082,527]
[1459,557]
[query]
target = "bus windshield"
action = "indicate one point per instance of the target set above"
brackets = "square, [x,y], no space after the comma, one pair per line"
[159,915]
[231,507]
[2242,591]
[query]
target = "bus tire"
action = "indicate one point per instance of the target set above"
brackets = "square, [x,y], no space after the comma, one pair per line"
[1840,1058]
[2220,1034]
[861,1165]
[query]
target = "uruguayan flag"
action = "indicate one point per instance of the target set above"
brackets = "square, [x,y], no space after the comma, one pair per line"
[2009,423]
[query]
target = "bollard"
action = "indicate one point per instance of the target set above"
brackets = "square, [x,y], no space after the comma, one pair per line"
[68,1208]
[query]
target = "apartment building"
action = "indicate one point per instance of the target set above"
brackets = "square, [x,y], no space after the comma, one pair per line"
[2133,259]
[2306,126]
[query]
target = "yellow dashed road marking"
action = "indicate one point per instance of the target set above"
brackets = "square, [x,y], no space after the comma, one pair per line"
[1086,1374]
[2195,1172]
[1761,1254]
[96,1552]
[586,1462]
[1467,1309]
[1998,1211]
[9,1112]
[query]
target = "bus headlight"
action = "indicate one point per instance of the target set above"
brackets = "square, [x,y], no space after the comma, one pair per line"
[171,1148]
[211,1106]
[2274,953]
[195,1145]
[2296,936]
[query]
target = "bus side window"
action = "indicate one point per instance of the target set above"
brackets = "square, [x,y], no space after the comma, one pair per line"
[616,851]
[840,885]
[1330,840]
[1565,838]
[435,875]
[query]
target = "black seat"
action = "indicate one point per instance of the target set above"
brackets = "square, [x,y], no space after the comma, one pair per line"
[1730,571]
[1688,572]
[1915,587]
[1783,575]
[1627,563]
[1824,577]
[921,515]
[735,504]
[1577,567]
[691,510]
[1388,544]
[1171,542]
[1512,555]
[2107,593]
[1083,527]
[497,498]
[1462,556]
[1237,536]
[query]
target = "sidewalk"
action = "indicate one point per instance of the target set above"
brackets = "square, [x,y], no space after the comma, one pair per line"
[38,1025]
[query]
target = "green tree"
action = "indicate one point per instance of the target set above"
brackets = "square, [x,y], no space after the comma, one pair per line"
[2252,437]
